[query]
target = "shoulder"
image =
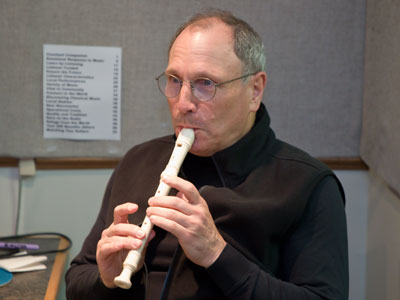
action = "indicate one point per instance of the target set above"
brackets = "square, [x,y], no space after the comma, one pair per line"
[164,141]
[153,151]
[291,155]
[157,145]
[296,165]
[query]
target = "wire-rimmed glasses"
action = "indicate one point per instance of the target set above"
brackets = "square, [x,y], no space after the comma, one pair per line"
[203,89]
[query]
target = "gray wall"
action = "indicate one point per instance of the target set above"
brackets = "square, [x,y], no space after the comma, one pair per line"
[314,63]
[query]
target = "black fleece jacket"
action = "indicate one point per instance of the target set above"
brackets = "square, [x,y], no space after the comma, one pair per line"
[280,211]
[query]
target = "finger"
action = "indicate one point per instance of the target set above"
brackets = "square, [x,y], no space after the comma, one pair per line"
[114,244]
[123,229]
[168,225]
[169,214]
[182,196]
[185,188]
[171,202]
[122,211]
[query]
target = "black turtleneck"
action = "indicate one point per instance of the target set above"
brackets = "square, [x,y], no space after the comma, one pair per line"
[231,166]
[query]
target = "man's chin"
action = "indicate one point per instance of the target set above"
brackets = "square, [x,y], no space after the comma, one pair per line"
[200,150]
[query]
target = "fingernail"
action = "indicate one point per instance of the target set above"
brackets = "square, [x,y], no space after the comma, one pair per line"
[136,243]
[148,212]
[140,233]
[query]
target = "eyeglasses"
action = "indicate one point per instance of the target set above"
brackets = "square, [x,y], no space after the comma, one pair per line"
[203,89]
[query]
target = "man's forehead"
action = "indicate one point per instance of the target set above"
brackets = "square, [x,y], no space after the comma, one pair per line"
[206,47]
[210,24]
[207,23]
[214,35]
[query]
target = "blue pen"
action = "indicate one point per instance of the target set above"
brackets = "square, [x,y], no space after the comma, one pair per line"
[25,246]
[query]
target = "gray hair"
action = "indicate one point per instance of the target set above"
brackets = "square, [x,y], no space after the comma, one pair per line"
[248,45]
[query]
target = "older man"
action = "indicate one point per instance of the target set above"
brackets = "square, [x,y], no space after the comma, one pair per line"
[251,217]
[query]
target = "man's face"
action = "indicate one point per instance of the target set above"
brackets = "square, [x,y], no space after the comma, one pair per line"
[223,120]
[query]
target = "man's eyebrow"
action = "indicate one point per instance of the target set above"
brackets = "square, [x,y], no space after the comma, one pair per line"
[201,74]
[204,75]
[170,71]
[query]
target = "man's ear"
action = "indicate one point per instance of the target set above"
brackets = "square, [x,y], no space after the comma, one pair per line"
[258,83]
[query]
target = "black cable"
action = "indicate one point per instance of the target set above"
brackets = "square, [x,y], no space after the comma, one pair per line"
[36,234]
[171,273]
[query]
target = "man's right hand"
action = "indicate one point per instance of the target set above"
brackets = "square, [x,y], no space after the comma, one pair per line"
[115,243]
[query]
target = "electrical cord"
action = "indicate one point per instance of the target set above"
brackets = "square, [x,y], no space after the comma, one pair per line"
[19,200]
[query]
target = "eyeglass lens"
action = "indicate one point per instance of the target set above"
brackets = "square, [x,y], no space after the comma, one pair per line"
[202,88]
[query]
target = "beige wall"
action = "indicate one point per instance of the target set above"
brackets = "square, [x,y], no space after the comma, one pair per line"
[380,141]
[383,245]
[380,147]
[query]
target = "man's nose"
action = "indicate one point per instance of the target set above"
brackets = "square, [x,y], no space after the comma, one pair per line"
[185,98]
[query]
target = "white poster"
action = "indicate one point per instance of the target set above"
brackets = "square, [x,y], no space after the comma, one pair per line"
[81,92]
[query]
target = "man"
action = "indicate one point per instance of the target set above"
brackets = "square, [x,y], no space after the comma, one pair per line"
[251,217]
